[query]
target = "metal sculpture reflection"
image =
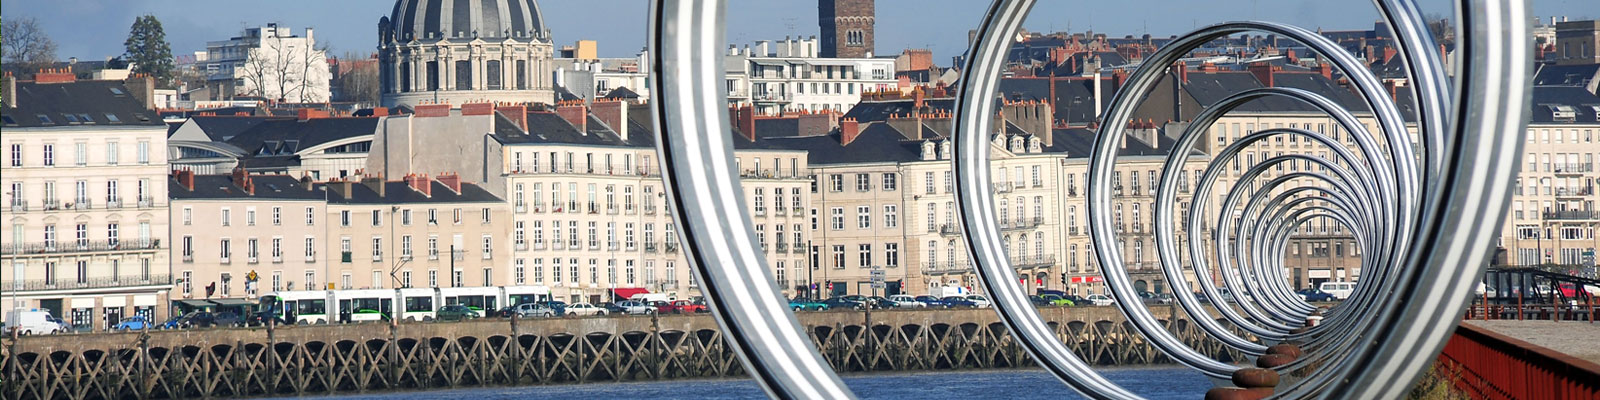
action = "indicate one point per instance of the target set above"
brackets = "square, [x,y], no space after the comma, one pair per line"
[1416,207]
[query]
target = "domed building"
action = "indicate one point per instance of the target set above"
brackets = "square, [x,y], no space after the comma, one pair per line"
[461,51]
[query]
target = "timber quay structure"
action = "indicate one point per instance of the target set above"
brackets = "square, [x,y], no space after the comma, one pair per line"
[357,358]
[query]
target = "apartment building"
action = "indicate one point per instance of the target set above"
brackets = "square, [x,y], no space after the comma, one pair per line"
[789,75]
[1553,217]
[591,218]
[311,143]
[240,236]
[86,223]
[415,232]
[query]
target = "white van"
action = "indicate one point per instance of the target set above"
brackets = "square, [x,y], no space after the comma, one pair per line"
[649,298]
[32,322]
[1339,290]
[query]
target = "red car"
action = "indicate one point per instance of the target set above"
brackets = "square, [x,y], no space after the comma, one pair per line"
[679,307]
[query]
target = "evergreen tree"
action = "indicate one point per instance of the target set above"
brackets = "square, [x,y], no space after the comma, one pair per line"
[148,51]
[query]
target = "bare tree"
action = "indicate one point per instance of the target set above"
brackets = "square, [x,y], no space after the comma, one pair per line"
[26,45]
[358,79]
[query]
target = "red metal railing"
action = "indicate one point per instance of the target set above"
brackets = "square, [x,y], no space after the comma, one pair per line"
[1487,365]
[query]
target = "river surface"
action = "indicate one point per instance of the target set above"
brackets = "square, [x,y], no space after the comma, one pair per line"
[1166,382]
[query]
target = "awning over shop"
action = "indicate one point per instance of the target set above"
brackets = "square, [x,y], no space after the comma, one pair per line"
[625,293]
[188,305]
[231,304]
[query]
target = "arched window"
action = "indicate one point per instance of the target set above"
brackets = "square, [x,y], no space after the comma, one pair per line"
[950,251]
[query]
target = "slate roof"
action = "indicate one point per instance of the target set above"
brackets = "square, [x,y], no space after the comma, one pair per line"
[879,110]
[1566,75]
[877,143]
[221,129]
[397,192]
[67,104]
[287,136]
[547,127]
[1584,105]
[1079,143]
[281,187]
[622,93]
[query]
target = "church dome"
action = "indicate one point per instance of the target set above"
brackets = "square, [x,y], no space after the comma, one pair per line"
[466,19]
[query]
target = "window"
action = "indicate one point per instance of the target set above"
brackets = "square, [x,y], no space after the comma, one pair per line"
[144,152]
[837,218]
[277,216]
[866,255]
[889,182]
[49,155]
[863,182]
[344,218]
[377,219]
[188,215]
[836,182]
[863,217]
[891,218]
[838,256]
[16,154]
[227,216]
[311,216]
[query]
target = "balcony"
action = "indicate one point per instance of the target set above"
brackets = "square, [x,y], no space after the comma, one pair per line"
[1004,187]
[1039,261]
[611,210]
[799,211]
[538,245]
[650,247]
[672,247]
[1072,231]
[771,97]
[311,257]
[949,230]
[86,246]
[558,244]
[630,209]
[941,268]
[81,204]
[761,212]
[611,245]
[113,203]
[1572,215]
[783,247]
[798,248]
[778,211]
[649,210]
[1572,168]
[19,206]
[188,257]
[1574,191]
[521,208]
[758,174]
[522,246]
[538,207]
[146,202]
[594,245]
[90,283]
[51,205]
[377,257]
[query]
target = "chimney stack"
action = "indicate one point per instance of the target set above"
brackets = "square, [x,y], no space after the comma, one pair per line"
[143,88]
[340,188]
[516,113]
[817,124]
[1326,70]
[477,109]
[744,120]
[307,114]
[374,182]
[55,75]
[420,183]
[1388,54]
[185,178]
[575,113]
[849,130]
[613,113]
[380,111]
[1263,73]
[451,180]
[431,110]
[11,90]
[916,99]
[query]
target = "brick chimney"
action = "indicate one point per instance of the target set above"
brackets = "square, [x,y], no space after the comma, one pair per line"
[744,120]
[340,188]
[374,182]
[1208,67]
[1326,70]
[575,113]
[185,178]
[1388,53]
[143,88]
[1291,57]
[451,180]
[420,183]
[54,75]
[1183,72]
[477,109]
[1393,89]
[613,113]
[909,125]
[1263,73]
[432,110]
[380,111]
[307,114]
[818,124]
[1118,78]
[517,114]
[849,130]
[916,99]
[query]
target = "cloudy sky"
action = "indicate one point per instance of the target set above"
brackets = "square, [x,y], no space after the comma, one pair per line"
[95,29]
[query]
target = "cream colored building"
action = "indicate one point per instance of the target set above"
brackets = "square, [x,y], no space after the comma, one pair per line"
[590,217]
[415,232]
[1553,217]
[228,228]
[85,230]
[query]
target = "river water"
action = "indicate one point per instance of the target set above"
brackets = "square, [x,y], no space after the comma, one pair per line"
[1165,382]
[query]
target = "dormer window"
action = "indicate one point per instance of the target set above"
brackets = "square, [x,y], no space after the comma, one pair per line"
[1035,145]
[1016,144]
[927,150]
[944,150]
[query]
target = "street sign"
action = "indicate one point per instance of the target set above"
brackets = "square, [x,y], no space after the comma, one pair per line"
[877,275]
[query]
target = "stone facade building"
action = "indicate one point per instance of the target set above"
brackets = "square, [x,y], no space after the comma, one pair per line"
[229,228]
[847,28]
[85,234]
[437,51]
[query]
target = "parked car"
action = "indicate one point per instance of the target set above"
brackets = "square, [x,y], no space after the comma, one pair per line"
[982,302]
[633,307]
[559,306]
[933,302]
[503,312]
[133,323]
[32,322]
[455,312]
[804,304]
[1339,290]
[680,307]
[533,310]
[959,302]
[1316,296]
[1051,300]
[584,310]
[227,319]
[844,303]
[1100,300]
[906,301]
[197,319]
[869,301]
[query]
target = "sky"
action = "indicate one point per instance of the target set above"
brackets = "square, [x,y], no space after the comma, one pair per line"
[95,29]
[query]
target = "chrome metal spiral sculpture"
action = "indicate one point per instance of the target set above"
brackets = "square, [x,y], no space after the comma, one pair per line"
[1423,211]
